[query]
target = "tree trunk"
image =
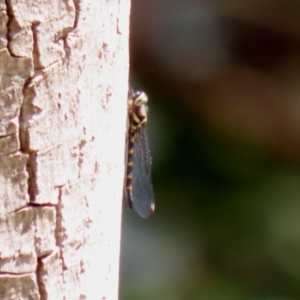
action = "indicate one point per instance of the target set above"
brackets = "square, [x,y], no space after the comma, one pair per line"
[63,89]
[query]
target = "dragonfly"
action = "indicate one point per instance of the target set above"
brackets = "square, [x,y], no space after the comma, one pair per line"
[139,189]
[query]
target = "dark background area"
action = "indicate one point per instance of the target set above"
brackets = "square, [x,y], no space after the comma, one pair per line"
[223,80]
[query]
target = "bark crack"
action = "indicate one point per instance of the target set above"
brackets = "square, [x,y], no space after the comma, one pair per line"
[58,231]
[6,135]
[10,17]
[19,274]
[67,47]
[40,274]
[27,110]
[32,169]
[24,116]
[35,49]
[39,278]
[77,10]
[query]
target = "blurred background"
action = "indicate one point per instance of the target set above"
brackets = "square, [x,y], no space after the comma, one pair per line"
[223,79]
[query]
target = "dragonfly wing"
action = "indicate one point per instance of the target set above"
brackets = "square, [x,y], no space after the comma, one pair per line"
[142,189]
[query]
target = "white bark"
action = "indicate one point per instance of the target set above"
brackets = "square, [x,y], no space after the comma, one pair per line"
[63,89]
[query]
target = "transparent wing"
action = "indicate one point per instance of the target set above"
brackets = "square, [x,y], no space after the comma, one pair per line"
[142,190]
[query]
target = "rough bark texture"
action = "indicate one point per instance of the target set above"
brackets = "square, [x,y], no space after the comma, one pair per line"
[63,88]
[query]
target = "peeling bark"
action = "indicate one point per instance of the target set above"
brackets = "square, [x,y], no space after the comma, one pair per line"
[63,88]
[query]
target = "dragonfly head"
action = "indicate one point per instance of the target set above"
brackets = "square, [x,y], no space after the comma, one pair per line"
[139,98]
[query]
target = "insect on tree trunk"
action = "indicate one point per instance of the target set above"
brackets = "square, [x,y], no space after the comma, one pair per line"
[63,108]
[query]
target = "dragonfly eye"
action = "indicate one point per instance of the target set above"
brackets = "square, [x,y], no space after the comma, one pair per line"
[140,98]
